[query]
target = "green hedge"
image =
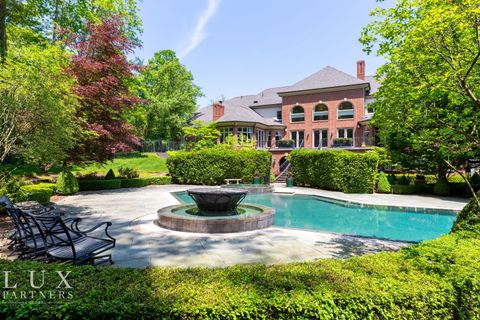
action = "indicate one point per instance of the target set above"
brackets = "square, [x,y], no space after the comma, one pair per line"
[439,279]
[335,169]
[41,192]
[212,166]
[405,189]
[99,184]
[91,185]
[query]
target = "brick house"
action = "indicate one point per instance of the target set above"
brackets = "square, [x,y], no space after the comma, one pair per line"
[328,109]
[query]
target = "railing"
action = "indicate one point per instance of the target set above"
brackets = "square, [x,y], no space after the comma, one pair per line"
[284,168]
[161,145]
[282,144]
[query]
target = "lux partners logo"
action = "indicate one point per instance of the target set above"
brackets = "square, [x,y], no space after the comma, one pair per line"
[58,289]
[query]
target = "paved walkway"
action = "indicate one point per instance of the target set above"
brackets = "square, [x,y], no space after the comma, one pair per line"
[140,243]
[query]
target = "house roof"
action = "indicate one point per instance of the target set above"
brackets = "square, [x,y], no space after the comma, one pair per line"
[236,110]
[327,77]
[242,108]
[374,85]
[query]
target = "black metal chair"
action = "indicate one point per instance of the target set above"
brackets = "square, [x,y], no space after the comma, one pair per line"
[70,244]
[6,202]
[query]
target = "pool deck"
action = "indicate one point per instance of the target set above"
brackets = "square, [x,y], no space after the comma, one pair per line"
[140,243]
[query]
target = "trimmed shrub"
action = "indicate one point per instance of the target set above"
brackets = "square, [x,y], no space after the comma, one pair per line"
[128,173]
[404,181]
[442,188]
[469,218]
[335,170]
[159,180]
[66,183]
[133,183]
[438,279]
[404,189]
[392,179]
[110,175]
[212,166]
[41,192]
[91,185]
[383,185]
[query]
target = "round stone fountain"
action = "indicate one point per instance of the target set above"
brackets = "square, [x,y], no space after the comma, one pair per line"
[216,210]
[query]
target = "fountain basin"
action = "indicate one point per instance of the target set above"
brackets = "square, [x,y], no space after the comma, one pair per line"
[250,217]
[217,201]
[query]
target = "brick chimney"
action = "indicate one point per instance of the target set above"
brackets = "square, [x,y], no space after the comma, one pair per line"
[361,69]
[218,110]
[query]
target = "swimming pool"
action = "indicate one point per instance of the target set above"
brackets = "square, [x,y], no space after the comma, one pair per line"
[315,213]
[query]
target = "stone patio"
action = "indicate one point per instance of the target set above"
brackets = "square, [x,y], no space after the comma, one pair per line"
[141,243]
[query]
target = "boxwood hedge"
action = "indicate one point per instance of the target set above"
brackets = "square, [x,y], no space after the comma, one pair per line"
[100,184]
[212,166]
[335,170]
[41,192]
[439,279]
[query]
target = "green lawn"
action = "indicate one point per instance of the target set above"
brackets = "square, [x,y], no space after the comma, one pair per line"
[146,164]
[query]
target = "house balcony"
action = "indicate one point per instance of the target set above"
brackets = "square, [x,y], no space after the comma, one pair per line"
[357,143]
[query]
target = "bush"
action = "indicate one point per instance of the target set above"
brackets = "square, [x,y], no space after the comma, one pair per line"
[133,183]
[438,279]
[41,192]
[159,180]
[212,166]
[66,183]
[469,218]
[403,189]
[383,185]
[404,181]
[442,188]
[128,173]
[91,185]
[392,179]
[11,187]
[335,169]
[110,175]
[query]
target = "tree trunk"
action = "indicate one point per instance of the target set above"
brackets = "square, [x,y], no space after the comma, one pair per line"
[3,30]
[54,22]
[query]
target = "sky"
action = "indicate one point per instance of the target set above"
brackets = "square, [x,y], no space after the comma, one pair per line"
[241,47]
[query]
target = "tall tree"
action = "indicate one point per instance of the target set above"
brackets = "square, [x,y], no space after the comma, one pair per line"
[48,17]
[37,106]
[428,106]
[171,94]
[102,71]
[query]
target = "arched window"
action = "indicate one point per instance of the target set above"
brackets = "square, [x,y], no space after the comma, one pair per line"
[320,112]
[298,114]
[345,110]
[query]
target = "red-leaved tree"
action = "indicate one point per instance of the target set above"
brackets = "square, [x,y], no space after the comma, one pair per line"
[102,70]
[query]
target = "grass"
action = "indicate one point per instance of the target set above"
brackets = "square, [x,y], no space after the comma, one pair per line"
[147,164]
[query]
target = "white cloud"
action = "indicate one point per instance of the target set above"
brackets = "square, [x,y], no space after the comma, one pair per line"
[199,34]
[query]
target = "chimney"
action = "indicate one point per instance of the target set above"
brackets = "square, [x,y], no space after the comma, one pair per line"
[218,110]
[361,69]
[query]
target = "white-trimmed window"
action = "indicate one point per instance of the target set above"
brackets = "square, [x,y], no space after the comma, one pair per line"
[297,114]
[244,133]
[345,133]
[225,132]
[278,135]
[320,112]
[298,137]
[260,138]
[345,110]
[320,138]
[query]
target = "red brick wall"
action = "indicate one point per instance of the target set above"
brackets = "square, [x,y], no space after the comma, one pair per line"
[332,100]
[218,111]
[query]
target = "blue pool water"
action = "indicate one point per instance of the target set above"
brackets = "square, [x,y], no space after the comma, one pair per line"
[314,213]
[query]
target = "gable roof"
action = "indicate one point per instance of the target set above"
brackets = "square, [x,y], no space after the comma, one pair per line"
[327,77]
[374,85]
[268,97]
